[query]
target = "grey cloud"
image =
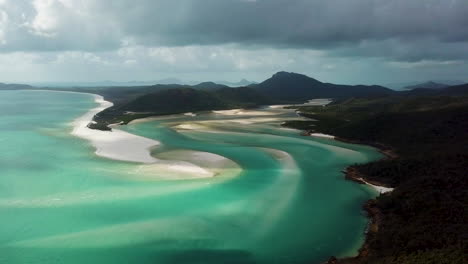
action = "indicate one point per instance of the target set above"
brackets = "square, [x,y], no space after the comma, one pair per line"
[314,24]
[336,40]
[42,25]
[297,23]
[410,51]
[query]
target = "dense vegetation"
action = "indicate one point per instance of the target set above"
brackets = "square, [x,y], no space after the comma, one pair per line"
[412,125]
[181,100]
[282,87]
[424,219]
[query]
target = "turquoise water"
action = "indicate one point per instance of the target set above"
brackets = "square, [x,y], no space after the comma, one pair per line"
[60,203]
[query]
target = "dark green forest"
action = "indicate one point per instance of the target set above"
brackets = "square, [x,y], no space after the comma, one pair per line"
[424,219]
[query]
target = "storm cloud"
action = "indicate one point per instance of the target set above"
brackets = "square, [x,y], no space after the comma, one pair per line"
[217,32]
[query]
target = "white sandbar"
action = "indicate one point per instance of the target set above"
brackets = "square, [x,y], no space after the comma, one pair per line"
[115,144]
[322,135]
[124,146]
[380,189]
[236,112]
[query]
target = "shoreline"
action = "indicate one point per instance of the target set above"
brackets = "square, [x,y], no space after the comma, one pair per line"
[353,175]
[116,144]
[321,135]
[387,151]
[373,213]
[350,172]
[123,146]
[131,148]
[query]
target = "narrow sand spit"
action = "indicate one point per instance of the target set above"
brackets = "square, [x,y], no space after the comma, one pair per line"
[319,102]
[212,125]
[277,106]
[240,112]
[380,189]
[118,145]
[322,135]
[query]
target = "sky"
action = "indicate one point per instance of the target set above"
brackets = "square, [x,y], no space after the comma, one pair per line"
[340,41]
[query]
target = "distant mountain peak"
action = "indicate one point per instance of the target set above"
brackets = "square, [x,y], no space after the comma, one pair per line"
[209,86]
[207,83]
[282,73]
[285,73]
[292,75]
[427,85]
[243,82]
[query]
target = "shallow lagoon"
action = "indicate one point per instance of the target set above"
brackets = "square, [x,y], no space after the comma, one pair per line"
[60,203]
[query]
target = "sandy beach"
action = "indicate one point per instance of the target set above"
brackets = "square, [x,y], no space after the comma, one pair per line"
[118,144]
[124,146]
[241,112]
[115,144]
[380,189]
[321,135]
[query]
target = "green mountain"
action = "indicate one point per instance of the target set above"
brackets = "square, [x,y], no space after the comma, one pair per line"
[172,101]
[295,87]
[181,100]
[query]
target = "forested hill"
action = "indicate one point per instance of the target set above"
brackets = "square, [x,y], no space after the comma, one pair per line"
[182,100]
[424,219]
[293,87]
[282,87]
[190,100]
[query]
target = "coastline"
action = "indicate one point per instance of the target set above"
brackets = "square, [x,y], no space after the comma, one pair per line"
[387,151]
[375,217]
[321,135]
[123,146]
[353,175]
[115,144]
[350,172]
[373,213]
